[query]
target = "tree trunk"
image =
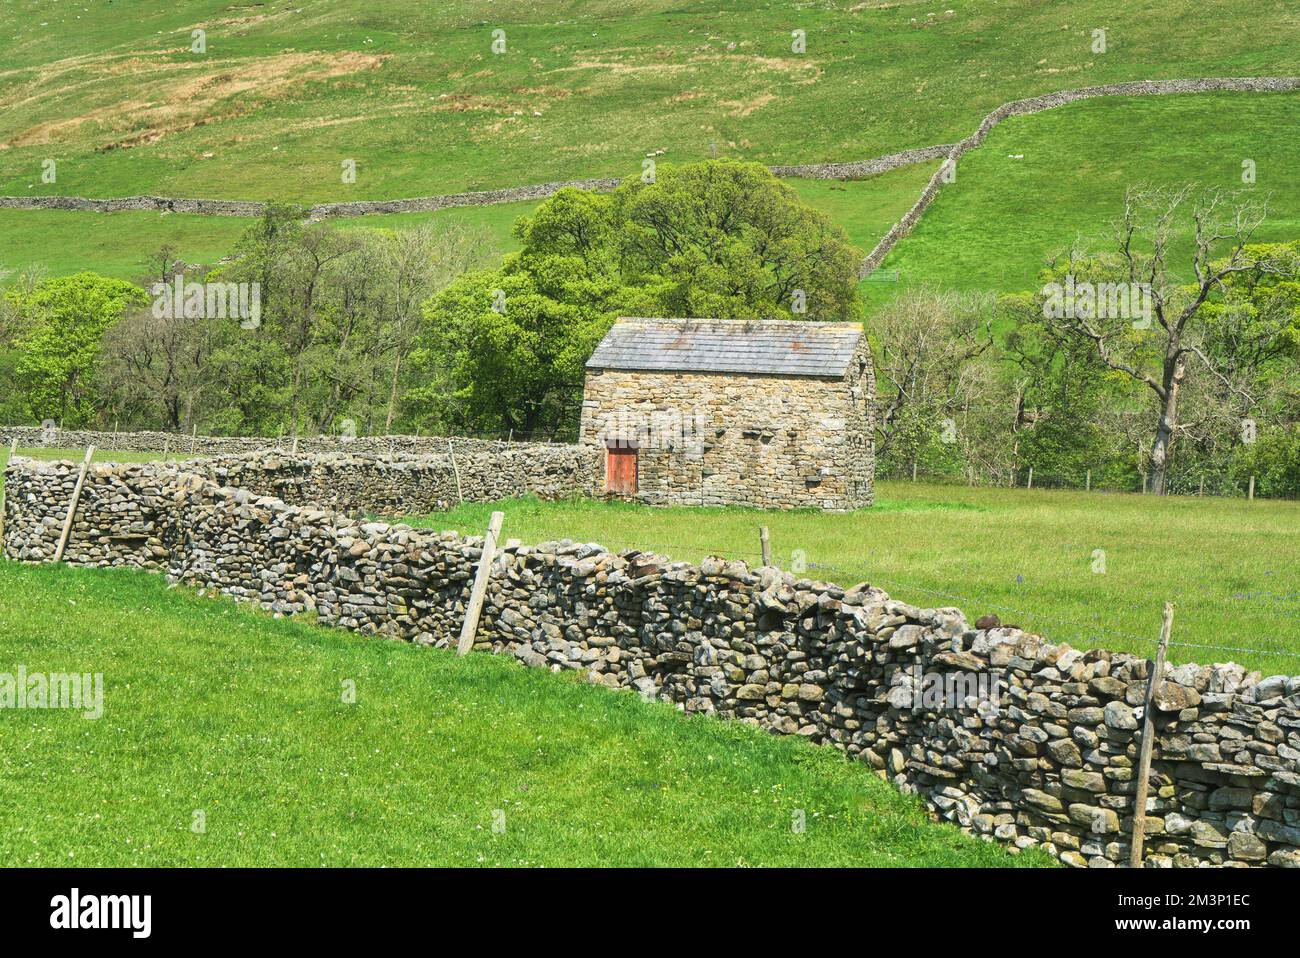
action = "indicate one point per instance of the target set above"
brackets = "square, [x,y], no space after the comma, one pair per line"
[392,393]
[1160,449]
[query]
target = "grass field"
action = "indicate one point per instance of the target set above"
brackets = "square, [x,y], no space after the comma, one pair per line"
[1040,182]
[60,242]
[286,91]
[1230,566]
[418,99]
[217,709]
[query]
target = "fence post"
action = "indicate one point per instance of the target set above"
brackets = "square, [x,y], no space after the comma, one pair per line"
[1250,496]
[1030,484]
[1201,492]
[1148,731]
[194,438]
[455,469]
[475,607]
[1088,485]
[765,544]
[294,451]
[72,506]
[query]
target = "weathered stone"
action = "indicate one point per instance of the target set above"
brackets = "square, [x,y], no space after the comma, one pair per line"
[1120,716]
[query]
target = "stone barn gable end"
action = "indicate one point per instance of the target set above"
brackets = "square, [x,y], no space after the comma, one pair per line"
[770,413]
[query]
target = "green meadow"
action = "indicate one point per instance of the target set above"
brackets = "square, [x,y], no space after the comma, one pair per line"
[229,738]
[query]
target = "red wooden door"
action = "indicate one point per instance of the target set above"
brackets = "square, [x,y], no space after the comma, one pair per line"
[620,471]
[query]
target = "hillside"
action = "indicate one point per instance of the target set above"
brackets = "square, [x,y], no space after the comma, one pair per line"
[283,94]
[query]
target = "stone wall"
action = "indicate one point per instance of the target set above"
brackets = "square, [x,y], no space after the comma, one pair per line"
[1048,102]
[854,169]
[34,437]
[253,208]
[775,442]
[1048,761]
[405,485]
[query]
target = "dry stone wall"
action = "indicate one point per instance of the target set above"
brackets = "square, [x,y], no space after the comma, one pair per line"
[1046,761]
[376,475]
[408,485]
[34,437]
[1048,102]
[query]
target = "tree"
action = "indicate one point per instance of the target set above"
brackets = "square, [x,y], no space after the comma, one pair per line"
[927,344]
[728,240]
[415,264]
[505,356]
[722,239]
[59,353]
[1158,355]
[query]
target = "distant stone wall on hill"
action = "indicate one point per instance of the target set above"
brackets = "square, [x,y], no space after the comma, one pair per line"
[1050,101]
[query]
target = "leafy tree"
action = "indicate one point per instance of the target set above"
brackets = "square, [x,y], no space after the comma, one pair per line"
[510,368]
[66,319]
[721,239]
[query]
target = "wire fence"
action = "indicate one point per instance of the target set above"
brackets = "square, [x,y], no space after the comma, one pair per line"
[1200,484]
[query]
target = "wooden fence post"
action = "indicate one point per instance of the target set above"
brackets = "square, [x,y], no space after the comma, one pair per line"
[1202,489]
[475,607]
[72,506]
[1148,733]
[455,469]
[1250,496]
[1088,484]
[765,545]
[1030,484]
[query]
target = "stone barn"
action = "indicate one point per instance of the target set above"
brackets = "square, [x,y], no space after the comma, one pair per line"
[772,413]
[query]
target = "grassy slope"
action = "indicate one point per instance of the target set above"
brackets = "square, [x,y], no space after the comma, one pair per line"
[1231,566]
[283,96]
[995,226]
[216,708]
[286,91]
[61,241]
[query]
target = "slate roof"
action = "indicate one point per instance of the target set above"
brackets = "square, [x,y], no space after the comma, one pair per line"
[765,347]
